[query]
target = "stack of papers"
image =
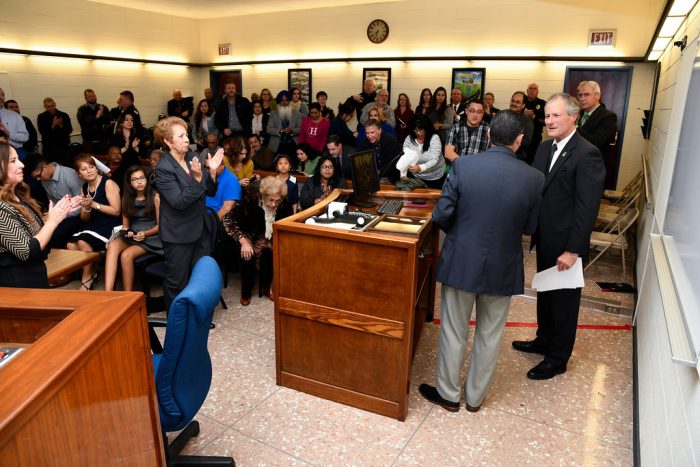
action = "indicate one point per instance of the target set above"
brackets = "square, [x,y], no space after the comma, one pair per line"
[553,279]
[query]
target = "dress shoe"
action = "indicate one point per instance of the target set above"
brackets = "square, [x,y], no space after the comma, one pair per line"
[546,370]
[473,409]
[245,301]
[528,346]
[431,394]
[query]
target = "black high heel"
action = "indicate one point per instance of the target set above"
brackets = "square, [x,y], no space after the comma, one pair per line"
[91,281]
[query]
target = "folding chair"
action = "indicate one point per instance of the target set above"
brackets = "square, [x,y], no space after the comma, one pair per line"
[614,237]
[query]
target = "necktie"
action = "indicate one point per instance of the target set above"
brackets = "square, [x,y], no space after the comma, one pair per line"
[551,156]
[584,117]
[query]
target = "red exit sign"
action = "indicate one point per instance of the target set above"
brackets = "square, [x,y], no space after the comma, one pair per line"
[601,38]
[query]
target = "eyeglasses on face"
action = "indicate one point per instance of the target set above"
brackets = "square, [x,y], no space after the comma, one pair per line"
[475,111]
[137,179]
[328,167]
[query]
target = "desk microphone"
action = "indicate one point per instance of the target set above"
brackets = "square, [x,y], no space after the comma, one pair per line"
[359,220]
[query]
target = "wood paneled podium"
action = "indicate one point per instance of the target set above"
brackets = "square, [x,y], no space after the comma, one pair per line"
[350,305]
[82,392]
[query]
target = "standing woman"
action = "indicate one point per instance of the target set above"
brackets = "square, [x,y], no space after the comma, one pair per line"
[424,102]
[24,235]
[441,114]
[296,103]
[139,233]
[259,122]
[183,184]
[430,167]
[99,211]
[203,124]
[268,103]
[403,115]
[128,139]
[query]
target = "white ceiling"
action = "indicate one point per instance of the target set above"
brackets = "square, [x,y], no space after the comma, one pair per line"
[205,9]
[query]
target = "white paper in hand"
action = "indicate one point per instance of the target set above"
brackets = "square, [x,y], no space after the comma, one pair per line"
[553,279]
[409,158]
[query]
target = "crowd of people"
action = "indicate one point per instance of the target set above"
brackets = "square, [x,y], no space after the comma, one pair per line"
[162,189]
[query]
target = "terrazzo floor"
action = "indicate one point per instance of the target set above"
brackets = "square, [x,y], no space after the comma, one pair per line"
[582,417]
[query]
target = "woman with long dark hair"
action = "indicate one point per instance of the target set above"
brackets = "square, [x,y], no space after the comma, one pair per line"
[430,167]
[403,115]
[424,102]
[203,124]
[139,232]
[24,233]
[441,114]
[324,180]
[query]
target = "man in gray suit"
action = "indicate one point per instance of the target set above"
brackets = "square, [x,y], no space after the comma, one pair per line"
[488,202]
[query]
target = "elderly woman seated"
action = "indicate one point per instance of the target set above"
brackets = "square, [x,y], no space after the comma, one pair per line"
[249,223]
[324,180]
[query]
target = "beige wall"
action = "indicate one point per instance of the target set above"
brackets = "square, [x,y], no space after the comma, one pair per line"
[668,393]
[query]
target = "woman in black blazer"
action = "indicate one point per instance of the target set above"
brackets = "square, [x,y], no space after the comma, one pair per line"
[183,182]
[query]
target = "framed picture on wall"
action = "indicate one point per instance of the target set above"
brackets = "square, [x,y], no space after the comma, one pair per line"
[471,81]
[218,80]
[300,78]
[381,77]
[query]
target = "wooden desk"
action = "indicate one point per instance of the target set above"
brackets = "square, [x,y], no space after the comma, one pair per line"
[62,262]
[83,392]
[350,306]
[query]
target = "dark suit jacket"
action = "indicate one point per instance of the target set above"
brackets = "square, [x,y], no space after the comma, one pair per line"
[176,108]
[387,150]
[244,110]
[182,200]
[487,203]
[461,111]
[570,200]
[600,129]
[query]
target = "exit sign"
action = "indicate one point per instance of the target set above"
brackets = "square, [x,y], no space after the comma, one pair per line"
[225,49]
[596,38]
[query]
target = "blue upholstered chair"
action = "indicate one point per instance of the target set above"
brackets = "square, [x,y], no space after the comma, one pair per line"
[183,370]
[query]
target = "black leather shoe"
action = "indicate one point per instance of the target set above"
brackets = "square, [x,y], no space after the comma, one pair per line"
[545,370]
[473,409]
[528,346]
[431,394]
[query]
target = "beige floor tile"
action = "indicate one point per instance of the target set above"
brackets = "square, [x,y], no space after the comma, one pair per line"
[327,433]
[248,451]
[492,437]
[208,431]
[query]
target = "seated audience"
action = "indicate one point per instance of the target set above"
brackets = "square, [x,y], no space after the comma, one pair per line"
[283,165]
[430,167]
[153,159]
[24,233]
[339,126]
[376,114]
[237,158]
[385,147]
[203,125]
[441,114]
[403,114]
[139,230]
[284,126]
[228,192]
[296,103]
[314,129]
[324,180]
[341,156]
[100,211]
[117,166]
[326,112]
[260,119]
[212,145]
[249,223]
[58,182]
[424,102]
[263,158]
[307,157]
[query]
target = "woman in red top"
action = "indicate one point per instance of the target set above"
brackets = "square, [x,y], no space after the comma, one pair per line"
[403,115]
[314,129]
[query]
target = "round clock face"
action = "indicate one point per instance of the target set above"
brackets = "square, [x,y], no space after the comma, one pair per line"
[377,31]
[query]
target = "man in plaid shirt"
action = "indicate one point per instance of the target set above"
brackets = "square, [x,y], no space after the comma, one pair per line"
[469,136]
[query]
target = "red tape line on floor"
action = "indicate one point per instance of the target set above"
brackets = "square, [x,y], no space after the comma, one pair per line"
[515,324]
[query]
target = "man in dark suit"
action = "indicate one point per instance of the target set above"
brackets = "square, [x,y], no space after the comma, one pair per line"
[458,105]
[180,107]
[534,110]
[574,175]
[488,202]
[386,149]
[596,123]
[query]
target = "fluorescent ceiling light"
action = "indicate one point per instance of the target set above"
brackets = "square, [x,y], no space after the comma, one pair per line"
[654,55]
[661,43]
[681,7]
[671,25]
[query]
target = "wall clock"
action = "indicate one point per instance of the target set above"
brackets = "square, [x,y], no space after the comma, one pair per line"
[377,31]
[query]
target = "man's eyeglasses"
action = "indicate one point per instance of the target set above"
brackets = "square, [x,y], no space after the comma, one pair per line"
[37,173]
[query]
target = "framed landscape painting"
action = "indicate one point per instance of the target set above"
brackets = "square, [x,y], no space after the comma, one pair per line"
[301,78]
[470,81]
